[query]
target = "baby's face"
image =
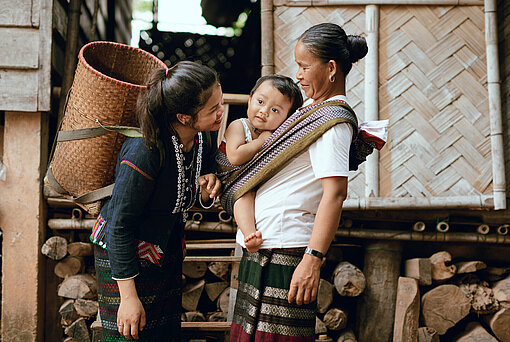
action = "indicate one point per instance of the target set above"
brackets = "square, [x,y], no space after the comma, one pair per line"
[267,107]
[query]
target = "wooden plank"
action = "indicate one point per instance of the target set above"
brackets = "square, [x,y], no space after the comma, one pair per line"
[212,258]
[18,90]
[16,13]
[23,47]
[60,19]
[36,12]
[207,326]
[45,33]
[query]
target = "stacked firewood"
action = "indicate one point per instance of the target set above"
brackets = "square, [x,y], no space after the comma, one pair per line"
[436,294]
[78,288]
[335,317]
[206,291]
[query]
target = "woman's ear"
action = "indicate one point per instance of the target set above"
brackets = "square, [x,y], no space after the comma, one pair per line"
[332,66]
[183,119]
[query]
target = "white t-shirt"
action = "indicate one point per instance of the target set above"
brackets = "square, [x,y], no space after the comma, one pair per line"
[285,205]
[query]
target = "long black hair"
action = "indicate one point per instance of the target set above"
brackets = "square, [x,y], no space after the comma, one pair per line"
[286,86]
[329,41]
[181,89]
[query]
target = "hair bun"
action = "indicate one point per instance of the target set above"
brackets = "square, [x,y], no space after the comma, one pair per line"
[357,46]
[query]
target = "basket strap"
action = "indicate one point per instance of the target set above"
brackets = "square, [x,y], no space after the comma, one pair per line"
[95,195]
[91,132]
[54,183]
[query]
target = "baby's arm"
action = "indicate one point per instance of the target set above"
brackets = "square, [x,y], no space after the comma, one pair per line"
[239,151]
[244,214]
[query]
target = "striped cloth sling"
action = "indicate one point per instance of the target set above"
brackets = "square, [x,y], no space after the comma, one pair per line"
[294,136]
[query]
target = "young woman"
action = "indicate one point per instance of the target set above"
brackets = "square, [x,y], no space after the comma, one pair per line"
[298,206]
[139,232]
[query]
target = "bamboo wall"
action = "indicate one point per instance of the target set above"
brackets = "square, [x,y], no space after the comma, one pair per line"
[504,60]
[432,78]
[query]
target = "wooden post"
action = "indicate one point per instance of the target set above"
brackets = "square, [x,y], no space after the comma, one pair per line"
[377,303]
[372,94]
[267,36]
[493,84]
[22,219]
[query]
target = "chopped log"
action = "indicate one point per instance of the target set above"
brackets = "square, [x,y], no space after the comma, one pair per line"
[78,330]
[86,308]
[219,269]
[320,327]
[217,317]
[440,271]
[324,295]
[335,319]
[348,279]
[407,310]
[223,300]
[68,312]
[69,266]
[443,307]
[419,269]
[481,296]
[347,336]
[191,295]
[213,290]
[194,269]
[97,330]
[193,316]
[426,334]
[475,333]
[78,286]
[501,290]
[376,308]
[500,324]
[470,266]
[495,273]
[55,248]
[80,249]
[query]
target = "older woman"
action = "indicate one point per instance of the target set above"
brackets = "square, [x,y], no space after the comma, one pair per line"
[139,232]
[301,175]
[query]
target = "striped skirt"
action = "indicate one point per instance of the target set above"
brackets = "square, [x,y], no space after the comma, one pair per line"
[159,290]
[262,311]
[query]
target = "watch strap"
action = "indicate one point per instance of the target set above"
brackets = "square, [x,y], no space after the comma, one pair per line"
[314,252]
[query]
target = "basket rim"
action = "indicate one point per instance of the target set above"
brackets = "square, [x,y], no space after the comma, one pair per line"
[111,79]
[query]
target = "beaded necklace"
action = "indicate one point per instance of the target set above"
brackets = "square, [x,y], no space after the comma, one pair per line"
[182,181]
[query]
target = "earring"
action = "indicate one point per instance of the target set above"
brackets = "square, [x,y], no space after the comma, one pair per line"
[332,78]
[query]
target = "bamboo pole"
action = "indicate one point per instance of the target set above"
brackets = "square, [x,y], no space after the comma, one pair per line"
[267,36]
[494,87]
[415,203]
[318,3]
[400,235]
[83,224]
[372,94]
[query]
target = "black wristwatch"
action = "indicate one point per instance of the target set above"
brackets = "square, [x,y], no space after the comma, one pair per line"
[313,252]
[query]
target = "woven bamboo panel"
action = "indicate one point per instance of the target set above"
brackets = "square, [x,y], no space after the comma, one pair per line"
[433,89]
[290,23]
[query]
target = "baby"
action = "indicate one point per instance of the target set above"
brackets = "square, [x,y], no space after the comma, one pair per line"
[272,100]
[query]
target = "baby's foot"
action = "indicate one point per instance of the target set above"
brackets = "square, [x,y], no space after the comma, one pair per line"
[253,242]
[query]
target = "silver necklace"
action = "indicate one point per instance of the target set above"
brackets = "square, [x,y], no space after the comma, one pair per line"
[181,177]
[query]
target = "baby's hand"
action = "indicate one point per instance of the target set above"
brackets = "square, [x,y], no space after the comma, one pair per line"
[265,135]
[253,242]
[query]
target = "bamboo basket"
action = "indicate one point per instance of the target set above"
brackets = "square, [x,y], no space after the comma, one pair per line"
[107,81]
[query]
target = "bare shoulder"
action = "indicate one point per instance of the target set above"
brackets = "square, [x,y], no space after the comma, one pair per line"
[234,129]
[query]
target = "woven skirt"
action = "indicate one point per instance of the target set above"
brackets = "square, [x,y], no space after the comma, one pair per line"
[159,290]
[262,311]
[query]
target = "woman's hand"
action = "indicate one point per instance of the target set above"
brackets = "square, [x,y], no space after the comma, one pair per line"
[210,185]
[131,314]
[305,280]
